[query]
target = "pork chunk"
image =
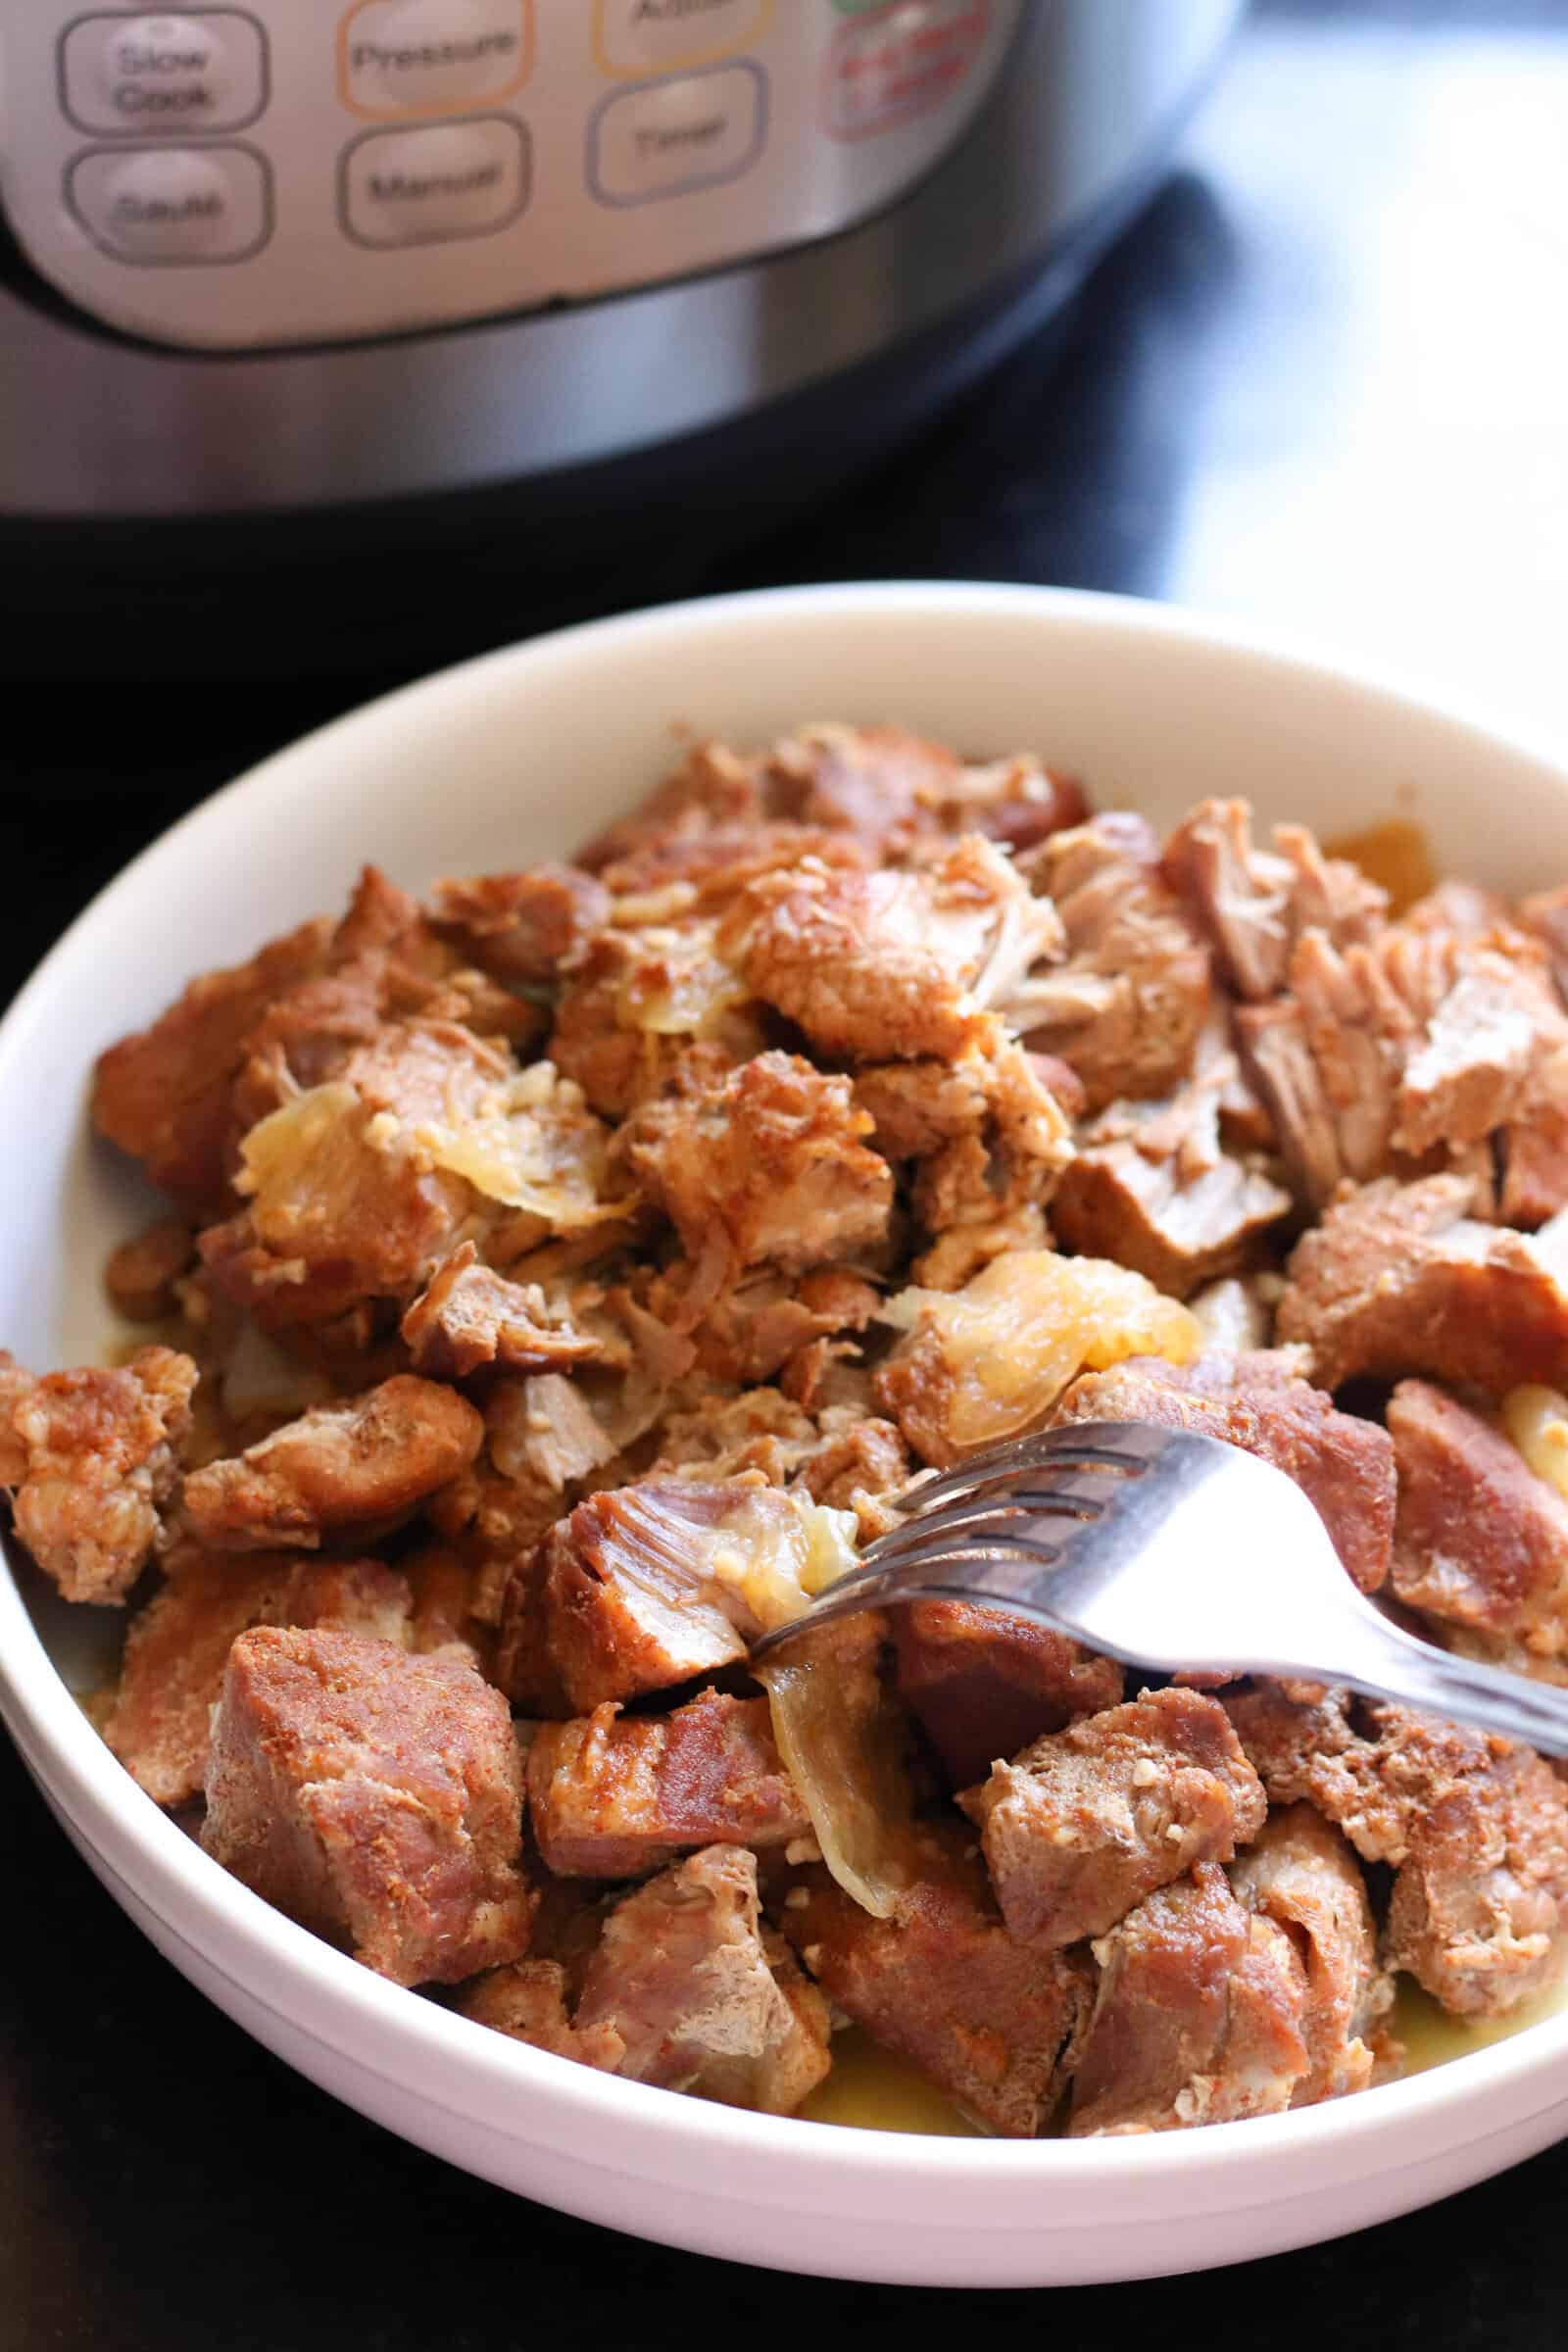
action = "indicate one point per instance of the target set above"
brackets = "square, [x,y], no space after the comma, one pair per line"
[92,1457]
[528,2000]
[1152,1187]
[891,789]
[613,1796]
[647,1586]
[1302,1874]
[700,1997]
[1400,1278]
[374,1797]
[1482,1543]
[994,2022]
[470,1318]
[1198,2016]
[767,1166]
[162,1094]
[1255,903]
[1257,1399]
[983,1684]
[890,966]
[982,1136]
[141,1273]
[1126,1008]
[177,1647]
[1475,1829]
[367,1462]
[1088,1821]
[522,927]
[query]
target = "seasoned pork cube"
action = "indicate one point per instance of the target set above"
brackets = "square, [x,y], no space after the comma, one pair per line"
[362,1463]
[890,965]
[993,2020]
[1255,903]
[892,789]
[177,1647]
[1155,1186]
[528,2000]
[1302,1874]
[1126,1008]
[646,1585]
[767,1165]
[984,1684]
[1091,1820]
[1198,2017]
[702,1997]
[982,1135]
[521,927]
[1401,1278]
[91,1459]
[375,1797]
[1475,1829]
[614,1797]
[141,1274]
[470,1316]
[163,1094]
[1344,1465]
[1482,1543]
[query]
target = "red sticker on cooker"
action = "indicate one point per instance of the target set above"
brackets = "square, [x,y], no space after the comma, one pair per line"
[899,62]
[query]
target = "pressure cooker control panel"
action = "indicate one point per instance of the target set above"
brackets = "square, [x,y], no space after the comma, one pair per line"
[301,170]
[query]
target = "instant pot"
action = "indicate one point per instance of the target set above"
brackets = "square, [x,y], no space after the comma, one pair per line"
[321,321]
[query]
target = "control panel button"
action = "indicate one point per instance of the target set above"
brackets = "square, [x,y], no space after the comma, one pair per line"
[669,36]
[432,57]
[173,204]
[423,187]
[147,75]
[894,63]
[669,137]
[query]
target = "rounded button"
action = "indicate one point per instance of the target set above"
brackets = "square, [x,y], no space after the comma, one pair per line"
[409,57]
[173,204]
[425,186]
[202,70]
[665,36]
[668,138]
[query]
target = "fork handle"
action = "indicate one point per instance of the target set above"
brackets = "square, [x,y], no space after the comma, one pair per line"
[1393,1664]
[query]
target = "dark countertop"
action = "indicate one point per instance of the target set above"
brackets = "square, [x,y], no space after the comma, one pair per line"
[1321,383]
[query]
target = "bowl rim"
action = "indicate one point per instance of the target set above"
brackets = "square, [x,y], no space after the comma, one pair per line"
[466,2066]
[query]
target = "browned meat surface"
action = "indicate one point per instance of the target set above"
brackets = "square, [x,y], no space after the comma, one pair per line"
[983,1684]
[177,1647]
[141,1274]
[1088,1821]
[92,1457]
[994,2022]
[702,1998]
[471,1316]
[1198,2016]
[890,966]
[767,1166]
[1302,1874]
[1153,1187]
[1126,1008]
[981,1136]
[1482,1541]
[1401,1278]
[891,789]
[520,928]
[613,1796]
[1253,904]
[1257,1399]
[375,1797]
[528,2000]
[162,1094]
[642,1588]
[367,1462]
[1475,1827]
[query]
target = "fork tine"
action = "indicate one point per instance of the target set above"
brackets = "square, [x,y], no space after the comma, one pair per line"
[1046,1450]
[993,1508]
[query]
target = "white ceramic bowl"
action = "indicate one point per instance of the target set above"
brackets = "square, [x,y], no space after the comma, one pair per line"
[519,756]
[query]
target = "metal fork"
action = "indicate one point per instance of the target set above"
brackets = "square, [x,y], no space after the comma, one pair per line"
[1174,1553]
